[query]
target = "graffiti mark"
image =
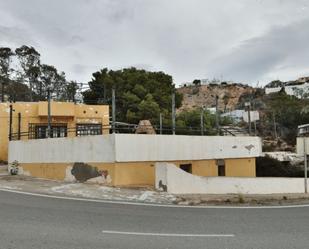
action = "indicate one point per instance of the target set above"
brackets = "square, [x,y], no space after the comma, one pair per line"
[162,186]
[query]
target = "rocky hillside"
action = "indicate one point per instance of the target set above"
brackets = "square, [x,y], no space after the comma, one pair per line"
[229,95]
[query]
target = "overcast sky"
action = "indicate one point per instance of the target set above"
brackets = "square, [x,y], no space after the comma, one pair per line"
[240,40]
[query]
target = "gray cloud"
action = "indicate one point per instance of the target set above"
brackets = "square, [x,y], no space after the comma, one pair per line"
[282,47]
[244,40]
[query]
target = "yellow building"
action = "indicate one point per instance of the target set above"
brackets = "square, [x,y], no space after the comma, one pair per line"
[131,159]
[29,121]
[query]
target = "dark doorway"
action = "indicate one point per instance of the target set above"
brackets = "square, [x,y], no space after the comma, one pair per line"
[221,167]
[186,167]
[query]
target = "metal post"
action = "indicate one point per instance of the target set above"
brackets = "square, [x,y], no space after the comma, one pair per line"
[275,126]
[48,114]
[161,123]
[202,122]
[30,89]
[173,114]
[248,105]
[305,165]
[10,122]
[113,110]
[19,125]
[217,115]
[2,91]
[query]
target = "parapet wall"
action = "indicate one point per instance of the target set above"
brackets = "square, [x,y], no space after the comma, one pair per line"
[133,148]
[177,181]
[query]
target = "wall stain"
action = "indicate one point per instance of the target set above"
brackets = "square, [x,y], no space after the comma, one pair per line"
[162,186]
[249,147]
[83,172]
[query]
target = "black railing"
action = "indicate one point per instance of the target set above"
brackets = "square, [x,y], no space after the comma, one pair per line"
[40,131]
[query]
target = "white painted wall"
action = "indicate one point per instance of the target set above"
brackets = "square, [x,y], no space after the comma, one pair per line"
[180,182]
[63,150]
[290,90]
[133,148]
[300,145]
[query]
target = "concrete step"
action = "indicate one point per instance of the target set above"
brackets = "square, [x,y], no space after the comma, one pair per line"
[4,170]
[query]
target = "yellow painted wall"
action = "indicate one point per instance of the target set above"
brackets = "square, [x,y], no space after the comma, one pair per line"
[62,112]
[136,173]
[143,173]
[240,167]
[205,168]
[54,171]
[57,171]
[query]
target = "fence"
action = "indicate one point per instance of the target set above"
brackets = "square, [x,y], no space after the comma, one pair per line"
[40,130]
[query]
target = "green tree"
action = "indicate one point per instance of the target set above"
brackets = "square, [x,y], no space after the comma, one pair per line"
[51,79]
[29,60]
[140,94]
[5,69]
[196,82]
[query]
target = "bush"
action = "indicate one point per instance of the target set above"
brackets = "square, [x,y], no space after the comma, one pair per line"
[269,167]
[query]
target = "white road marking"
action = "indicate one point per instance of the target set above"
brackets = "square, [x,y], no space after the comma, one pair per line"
[167,234]
[149,204]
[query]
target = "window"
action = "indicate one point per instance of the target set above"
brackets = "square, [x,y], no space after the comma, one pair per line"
[38,131]
[88,129]
[221,167]
[186,167]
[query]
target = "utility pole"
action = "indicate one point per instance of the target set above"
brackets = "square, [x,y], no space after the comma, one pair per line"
[305,165]
[202,121]
[217,114]
[248,105]
[160,123]
[11,122]
[19,125]
[2,91]
[48,113]
[275,126]
[113,110]
[173,113]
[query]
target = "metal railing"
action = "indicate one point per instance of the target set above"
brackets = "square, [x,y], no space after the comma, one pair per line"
[56,132]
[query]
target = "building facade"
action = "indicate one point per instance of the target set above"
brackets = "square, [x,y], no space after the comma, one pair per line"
[130,159]
[29,121]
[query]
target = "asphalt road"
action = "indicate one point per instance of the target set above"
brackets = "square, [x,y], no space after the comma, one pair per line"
[39,222]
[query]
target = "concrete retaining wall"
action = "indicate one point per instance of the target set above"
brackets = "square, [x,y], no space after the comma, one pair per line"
[64,150]
[133,148]
[177,181]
